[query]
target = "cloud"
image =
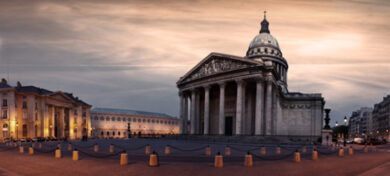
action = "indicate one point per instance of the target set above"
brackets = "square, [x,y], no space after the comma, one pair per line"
[129,54]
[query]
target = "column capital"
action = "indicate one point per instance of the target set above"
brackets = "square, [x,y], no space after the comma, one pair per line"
[207,86]
[258,79]
[222,84]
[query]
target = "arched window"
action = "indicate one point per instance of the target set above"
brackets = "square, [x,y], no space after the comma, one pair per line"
[107,118]
[101,118]
[119,133]
[118,118]
[108,133]
[102,133]
[113,133]
[113,118]
[5,125]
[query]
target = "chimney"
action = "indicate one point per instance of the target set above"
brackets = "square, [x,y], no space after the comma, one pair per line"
[18,85]
[3,81]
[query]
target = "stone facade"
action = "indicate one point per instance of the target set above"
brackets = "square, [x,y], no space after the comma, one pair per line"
[232,95]
[360,122]
[381,118]
[113,123]
[32,112]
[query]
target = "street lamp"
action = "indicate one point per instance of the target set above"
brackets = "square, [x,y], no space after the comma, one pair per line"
[17,125]
[345,120]
[337,124]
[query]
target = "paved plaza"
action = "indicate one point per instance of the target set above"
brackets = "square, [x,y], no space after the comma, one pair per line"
[188,158]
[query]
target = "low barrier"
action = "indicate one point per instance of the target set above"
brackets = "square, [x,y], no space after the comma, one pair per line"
[195,154]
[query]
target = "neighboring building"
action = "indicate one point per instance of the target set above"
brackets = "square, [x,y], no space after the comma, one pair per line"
[32,112]
[381,118]
[108,122]
[360,122]
[233,95]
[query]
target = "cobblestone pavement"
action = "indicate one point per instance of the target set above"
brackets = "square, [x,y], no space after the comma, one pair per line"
[186,158]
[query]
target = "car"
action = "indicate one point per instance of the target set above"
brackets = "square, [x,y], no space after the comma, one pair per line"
[359,140]
[349,141]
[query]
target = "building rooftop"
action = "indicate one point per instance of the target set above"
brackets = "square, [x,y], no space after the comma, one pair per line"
[130,112]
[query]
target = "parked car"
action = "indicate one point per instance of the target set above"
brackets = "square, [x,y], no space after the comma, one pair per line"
[349,141]
[359,140]
[376,141]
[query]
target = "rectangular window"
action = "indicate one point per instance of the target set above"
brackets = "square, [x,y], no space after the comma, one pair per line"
[36,115]
[24,130]
[36,106]
[5,114]
[75,112]
[24,105]
[5,103]
[24,115]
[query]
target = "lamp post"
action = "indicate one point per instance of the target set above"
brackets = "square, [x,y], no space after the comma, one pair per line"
[345,120]
[17,129]
[337,124]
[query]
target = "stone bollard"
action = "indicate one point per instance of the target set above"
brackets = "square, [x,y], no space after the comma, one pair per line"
[21,149]
[40,145]
[227,151]
[31,150]
[341,152]
[147,149]
[69,147]
[208,151]
[75,155]
[304,149]
[112,148]
[96,148]
[297,157]
[123,158]
[263,151]
[58,153]
[350,150]
[248,160]
[278,150]
[315,154]
[153,159]
[167,150]
[218,161]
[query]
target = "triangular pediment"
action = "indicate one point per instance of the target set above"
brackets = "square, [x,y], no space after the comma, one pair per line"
[60,96]
[216,63]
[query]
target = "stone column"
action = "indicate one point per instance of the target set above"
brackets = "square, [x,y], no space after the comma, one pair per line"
[46,121]
[259,107]
[185,127]
[206,110]
[62,120]
[268,109]
[52,123]
[221,121]
[197,112]
[239,107]
[193,112]
[182,126]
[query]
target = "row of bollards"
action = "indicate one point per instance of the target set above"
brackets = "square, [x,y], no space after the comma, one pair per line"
[218,161]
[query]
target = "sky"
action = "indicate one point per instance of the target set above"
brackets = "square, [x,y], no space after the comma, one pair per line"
[129,54]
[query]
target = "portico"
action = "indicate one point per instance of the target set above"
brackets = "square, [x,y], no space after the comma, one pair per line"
[232,95]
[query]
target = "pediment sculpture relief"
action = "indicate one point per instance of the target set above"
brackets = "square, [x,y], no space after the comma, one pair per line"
[215,66]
